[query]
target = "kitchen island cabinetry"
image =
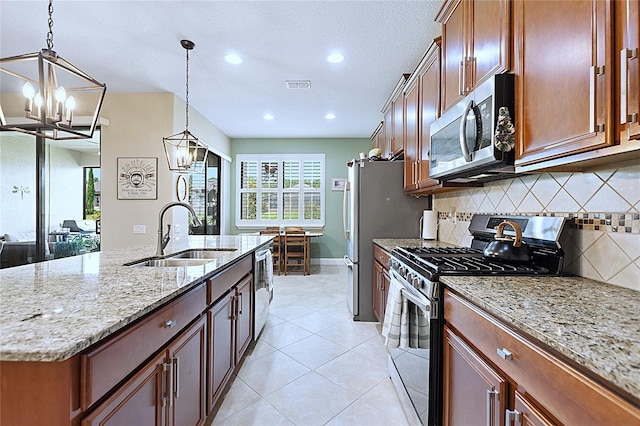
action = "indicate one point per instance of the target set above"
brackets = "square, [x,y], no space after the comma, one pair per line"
[476,45]
[132,347]
[381,281]
[169,390]
[538,383]
[230,334]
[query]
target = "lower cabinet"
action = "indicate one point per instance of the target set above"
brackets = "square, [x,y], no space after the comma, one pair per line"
[168,390]
[496,376]
[474,393]
[381,281]
[230,324]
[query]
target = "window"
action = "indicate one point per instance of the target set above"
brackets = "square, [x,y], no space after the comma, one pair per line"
[280,190]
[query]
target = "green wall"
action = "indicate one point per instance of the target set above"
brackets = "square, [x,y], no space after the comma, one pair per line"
[338,151]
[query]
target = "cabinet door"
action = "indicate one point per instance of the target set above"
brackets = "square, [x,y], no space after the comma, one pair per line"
[141,401]
[489,43]
[187,357]
[378,272]
[387,131]
[244,317]
[628,40]
[527,413]
[563,83]
[221,348]
[398,128]
[453,54]
[430,111]
[473,392]
[411,137]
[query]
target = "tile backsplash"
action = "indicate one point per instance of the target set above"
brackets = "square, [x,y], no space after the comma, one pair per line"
[602,207]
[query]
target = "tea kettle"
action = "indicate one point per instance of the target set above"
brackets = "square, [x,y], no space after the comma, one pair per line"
[507,248]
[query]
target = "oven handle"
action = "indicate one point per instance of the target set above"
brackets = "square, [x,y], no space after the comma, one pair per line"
[421,302]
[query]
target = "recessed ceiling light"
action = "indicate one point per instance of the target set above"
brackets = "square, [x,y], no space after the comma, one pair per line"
[335,58]
[232,58]
[268,117]
[330,116]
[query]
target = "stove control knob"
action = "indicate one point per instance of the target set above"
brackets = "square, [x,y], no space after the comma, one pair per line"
[410,277]
[394,264]
[402,271]
[417,282]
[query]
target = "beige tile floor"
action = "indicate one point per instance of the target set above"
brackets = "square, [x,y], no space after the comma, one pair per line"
[313,365]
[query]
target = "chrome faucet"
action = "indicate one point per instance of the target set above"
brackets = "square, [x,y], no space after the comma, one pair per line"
[164,240]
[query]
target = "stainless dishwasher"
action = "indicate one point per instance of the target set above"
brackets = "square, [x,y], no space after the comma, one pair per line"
[263,287]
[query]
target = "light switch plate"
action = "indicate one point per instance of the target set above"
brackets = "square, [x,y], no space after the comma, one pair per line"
[139,229]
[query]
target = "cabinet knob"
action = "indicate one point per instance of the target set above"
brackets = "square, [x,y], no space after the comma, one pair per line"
[504,354]
[169,324]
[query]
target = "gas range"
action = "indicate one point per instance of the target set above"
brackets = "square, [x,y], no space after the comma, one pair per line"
[541,233]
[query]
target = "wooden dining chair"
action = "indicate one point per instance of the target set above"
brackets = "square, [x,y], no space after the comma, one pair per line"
[276,247]
[295,250]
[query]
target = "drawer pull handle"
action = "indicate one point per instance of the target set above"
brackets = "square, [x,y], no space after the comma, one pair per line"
[504,354]
[169,324]
[512,416]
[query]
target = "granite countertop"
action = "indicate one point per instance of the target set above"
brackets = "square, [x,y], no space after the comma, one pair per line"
[52,310]
[593,324]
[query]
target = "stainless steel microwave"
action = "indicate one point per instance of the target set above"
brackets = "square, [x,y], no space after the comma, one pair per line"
[461,147]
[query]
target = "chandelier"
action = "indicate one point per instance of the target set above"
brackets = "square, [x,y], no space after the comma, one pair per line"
[185,152]
[42,94]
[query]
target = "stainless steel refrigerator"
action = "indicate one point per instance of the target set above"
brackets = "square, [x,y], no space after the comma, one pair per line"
[375,206]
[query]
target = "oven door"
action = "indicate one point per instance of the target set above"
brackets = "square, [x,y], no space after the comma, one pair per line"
[410,365]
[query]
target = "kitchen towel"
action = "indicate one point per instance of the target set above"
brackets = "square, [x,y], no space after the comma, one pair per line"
[393,310]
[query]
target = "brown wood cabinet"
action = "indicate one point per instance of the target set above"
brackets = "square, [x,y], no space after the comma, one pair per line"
[476,44]
[381,281]
[422,107]
[230,324]
[473,392]
[627,14]
[542,387]
[168,390]
[393,111]
[564,78]
[378,140]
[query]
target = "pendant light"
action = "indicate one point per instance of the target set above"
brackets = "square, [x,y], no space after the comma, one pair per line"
[185,152]
[42,94]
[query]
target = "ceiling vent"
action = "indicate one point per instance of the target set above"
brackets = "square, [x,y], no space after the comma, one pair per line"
[298,84]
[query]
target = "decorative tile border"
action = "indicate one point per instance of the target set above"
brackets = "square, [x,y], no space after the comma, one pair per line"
[624,223]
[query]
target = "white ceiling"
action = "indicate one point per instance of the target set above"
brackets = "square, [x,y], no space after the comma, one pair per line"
[134,46]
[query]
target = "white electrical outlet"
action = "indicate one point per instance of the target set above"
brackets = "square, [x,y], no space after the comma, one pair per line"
[139,229]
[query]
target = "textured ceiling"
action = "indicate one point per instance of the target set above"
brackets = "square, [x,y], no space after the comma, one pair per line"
[133,46]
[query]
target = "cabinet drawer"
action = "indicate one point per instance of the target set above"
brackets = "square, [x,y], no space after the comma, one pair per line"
[221,283]
[565,393]
[381,256]
[108,363]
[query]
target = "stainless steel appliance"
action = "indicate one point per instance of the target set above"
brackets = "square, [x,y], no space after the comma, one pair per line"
[375,206]
[263,288]
[462,140]
[417,371]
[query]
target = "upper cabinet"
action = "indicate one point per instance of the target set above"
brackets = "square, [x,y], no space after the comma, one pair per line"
[627,42]
[378,140]
[565,78]
[476,44]
[393,111]
[578,104]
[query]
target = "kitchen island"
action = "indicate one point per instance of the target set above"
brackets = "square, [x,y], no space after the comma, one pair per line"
[57,316]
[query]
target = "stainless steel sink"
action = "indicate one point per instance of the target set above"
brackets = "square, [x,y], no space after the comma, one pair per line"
[192,257]
[170,262]
[213,253]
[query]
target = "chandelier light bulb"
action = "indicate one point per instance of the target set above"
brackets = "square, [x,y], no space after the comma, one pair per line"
[38,100]
[70,104]
[61,94]
[28,91]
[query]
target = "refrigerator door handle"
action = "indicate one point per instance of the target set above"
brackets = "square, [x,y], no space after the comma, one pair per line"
[344,210]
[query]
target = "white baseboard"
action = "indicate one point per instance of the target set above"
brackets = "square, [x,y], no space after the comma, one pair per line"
[327,261]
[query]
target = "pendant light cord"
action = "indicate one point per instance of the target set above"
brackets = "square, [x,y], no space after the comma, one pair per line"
[186,125]
[50,33]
